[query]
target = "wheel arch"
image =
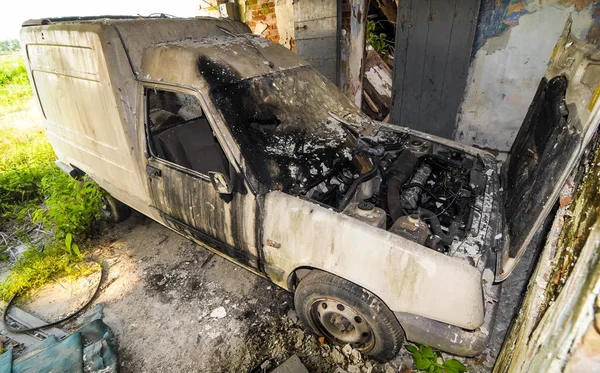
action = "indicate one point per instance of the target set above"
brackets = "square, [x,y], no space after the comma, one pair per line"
[389,335]
[300,272]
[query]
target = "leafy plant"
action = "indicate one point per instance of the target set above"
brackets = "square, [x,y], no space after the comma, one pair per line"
[426,360]
[70,205]
[72,248]
[377,41]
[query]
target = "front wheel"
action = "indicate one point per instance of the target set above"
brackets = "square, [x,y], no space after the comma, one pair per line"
[346,313]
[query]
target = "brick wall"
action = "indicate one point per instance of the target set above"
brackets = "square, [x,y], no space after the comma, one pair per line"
[261,17]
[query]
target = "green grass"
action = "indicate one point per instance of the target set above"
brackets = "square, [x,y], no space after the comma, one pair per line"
[26,158]
[34,191]
[15,91]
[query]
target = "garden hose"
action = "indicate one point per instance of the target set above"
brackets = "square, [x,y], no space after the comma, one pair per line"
[14,297]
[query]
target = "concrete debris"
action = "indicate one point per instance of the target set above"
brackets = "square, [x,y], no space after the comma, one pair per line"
[347,350]
[337,356]
[291,365]
[291,314]
[389,369]
[355,356]
[299,339]
[218,313]
[353,369]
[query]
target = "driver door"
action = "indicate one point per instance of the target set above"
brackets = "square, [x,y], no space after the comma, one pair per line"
[182,149]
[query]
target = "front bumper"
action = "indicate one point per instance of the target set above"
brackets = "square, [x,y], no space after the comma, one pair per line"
[448,338]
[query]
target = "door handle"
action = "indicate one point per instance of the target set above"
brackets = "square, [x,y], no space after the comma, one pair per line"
[153,172]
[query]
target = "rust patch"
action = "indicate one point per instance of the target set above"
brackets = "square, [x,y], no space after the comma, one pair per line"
[566,194]
[516,8]
[593,35]
[580,4]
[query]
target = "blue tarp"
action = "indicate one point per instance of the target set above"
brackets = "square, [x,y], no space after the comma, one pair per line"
[93,346]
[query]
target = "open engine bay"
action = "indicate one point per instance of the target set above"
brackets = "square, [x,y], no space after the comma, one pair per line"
[416,188]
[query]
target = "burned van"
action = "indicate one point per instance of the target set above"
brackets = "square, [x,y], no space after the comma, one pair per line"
[383,233]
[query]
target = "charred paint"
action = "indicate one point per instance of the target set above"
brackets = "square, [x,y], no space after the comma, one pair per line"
[242,257]
[281,122]
[191,206]
[537,162]
[215,73]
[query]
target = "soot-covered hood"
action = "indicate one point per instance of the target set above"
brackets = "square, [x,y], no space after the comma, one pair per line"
[559,123]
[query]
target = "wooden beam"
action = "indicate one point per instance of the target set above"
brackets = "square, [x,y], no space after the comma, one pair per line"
[388,8]
[352,53]
[378,83]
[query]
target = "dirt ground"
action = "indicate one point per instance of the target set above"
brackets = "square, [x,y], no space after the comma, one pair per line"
[175,307]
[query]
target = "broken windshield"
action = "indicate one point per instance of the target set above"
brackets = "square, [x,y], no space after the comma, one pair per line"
[283,125]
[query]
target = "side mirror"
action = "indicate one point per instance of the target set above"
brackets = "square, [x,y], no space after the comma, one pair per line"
[220,182]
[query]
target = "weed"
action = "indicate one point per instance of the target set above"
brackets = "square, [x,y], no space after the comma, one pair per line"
[426,360]
[39,267]
[14,84]
[34,190]
[70,206]
[26,158]
[377,41]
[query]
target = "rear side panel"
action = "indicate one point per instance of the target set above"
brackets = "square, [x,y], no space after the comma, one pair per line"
[86,90]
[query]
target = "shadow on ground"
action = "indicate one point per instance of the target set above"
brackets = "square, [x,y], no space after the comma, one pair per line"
[174,306]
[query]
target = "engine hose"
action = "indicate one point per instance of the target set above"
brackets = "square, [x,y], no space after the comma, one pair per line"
[362,178]
[398,173]
[436,227]
[14,297]
[425,189]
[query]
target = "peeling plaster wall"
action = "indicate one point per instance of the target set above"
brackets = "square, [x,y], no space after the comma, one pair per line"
[284,11]
[513,44]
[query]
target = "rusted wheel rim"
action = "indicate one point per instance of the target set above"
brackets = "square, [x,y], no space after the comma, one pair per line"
[342,324]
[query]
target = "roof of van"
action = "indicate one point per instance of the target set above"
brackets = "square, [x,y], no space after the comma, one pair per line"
[228,56]
[137,34]
[54,20]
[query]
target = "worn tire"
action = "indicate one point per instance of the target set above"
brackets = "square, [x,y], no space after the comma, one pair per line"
[320,289]
[114,210]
